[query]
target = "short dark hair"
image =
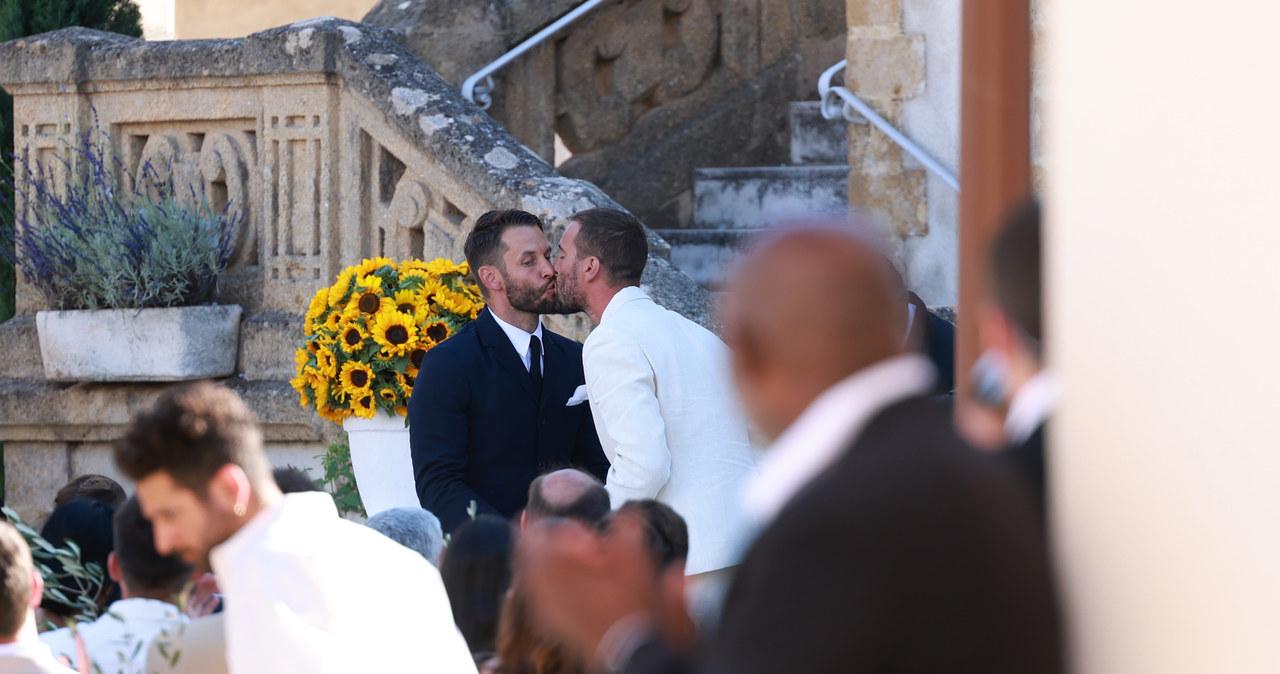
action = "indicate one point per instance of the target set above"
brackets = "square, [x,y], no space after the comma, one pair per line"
[191,432]
[145,569]
[617,239]
[292,480]
[1015,269]
[94,487]
[668,536]
[88,523]
[476,571]
[591,506]
[16,567]
[484,243]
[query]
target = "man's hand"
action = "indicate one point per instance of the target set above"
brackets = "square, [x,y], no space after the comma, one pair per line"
[581,583]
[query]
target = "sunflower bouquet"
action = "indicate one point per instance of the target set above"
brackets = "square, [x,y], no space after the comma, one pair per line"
[367,333]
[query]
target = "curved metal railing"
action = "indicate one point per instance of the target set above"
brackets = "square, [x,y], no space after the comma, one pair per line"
[479,86]
[838,101]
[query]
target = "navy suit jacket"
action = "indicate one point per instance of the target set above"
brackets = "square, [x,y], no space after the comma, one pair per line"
[478,431]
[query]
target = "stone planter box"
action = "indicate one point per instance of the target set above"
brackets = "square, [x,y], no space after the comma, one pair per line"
[114,345]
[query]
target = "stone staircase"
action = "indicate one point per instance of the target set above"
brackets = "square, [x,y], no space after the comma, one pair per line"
[731,205]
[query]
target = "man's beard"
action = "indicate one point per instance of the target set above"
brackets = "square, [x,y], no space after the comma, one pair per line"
[568,295]
[529,298]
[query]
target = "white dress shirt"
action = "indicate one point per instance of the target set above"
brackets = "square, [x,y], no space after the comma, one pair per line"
[669,422]
[1030,407]
[23,657]
[309,592]
[816,439]
[520,340]
[117,641]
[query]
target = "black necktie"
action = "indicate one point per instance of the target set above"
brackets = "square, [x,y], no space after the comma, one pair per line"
[535,362]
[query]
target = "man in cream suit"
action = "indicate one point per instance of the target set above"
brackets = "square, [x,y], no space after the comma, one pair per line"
[661,396]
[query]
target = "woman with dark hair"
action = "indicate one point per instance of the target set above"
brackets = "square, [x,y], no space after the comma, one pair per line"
[88,523]
[476,569]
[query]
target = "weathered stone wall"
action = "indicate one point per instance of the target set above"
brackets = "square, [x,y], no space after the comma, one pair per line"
[641,92]
[335,142]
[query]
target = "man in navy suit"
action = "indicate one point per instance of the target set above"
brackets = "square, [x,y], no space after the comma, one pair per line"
[504,399]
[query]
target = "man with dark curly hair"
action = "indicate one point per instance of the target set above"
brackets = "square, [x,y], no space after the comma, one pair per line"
[306,591]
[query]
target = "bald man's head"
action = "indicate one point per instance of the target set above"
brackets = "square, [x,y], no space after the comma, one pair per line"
[567,493]
[808,308]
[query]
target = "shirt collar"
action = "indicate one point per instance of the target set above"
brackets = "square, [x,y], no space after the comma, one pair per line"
[627,294]
[816,439]
[298,511]
[1030,407]
[519,338]
[138,609]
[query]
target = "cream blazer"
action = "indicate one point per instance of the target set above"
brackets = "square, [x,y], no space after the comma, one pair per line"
[670,423]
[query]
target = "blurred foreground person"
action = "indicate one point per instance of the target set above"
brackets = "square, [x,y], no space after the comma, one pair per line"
[567,492]
[149,582]
[414,528]
[890,546]
[477,574]
[20,588]
[1010,371]
[87,522]
[306,591]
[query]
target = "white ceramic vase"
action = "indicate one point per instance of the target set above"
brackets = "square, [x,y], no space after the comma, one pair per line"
[381,462]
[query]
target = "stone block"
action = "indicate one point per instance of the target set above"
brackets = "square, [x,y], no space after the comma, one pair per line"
[751,198]
[33,472]
[879,13]
[708,256]
[158,344]
[96,457]
[20,357]
[896,200]
[268,341]
[816,139]
[885,67]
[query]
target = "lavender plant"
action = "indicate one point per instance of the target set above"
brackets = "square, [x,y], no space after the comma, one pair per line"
[110,241]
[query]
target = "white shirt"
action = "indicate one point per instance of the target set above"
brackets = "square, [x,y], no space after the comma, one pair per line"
[117,641]
[32,655]
[520,340]
[309,592]
[815,440]
[1030,407]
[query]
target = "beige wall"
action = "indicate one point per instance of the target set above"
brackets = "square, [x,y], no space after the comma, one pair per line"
[198,19]
[1163,193]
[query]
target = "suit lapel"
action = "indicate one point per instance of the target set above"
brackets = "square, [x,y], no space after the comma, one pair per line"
[554,369]
[494,340]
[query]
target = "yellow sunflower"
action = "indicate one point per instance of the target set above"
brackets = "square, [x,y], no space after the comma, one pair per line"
[433,333]
[441,266]
[356,378]
[388,394]
[363,406]
[396,332]
[302,384]
[454,302]
[326,362]
[415,278]
[405,380]
[374,264]
[332,321]
[406,302]
[351,337]
[315,312]
[341,289]
[368,302]
[302,357]
[370,282]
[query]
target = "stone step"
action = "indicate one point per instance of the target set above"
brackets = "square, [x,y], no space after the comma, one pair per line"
[707,255]
[750,198]
[815,139]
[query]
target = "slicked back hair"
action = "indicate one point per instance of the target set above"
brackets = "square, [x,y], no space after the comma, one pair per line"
[484,243]
[1015,269]
[16,568]
[145,569]
[192,431]
[617,239]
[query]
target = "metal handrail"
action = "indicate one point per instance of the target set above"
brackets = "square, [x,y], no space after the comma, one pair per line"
[849,103]
[477,92]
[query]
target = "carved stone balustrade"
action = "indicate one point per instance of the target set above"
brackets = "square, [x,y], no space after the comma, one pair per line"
[334,141]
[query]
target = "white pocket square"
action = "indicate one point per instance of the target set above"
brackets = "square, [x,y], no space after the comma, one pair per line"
[579,396]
